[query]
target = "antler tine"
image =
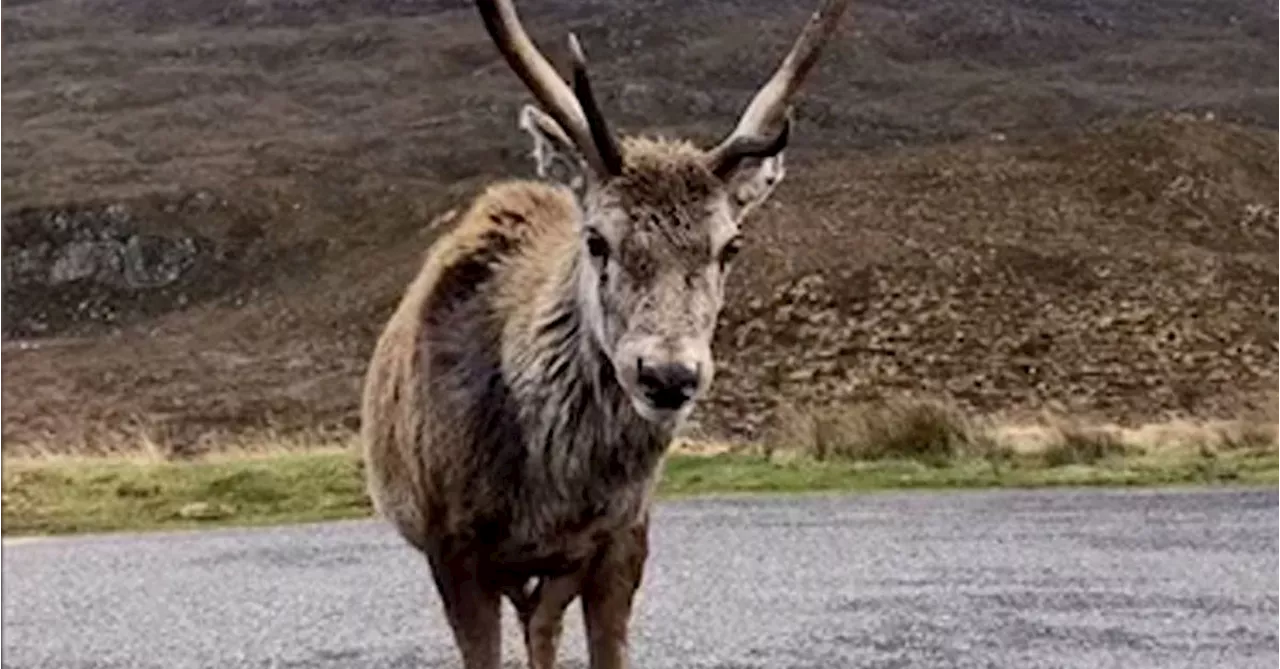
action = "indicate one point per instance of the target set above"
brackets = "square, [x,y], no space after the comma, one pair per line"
[725,158]
[770,104]
[605,142]
[555,96]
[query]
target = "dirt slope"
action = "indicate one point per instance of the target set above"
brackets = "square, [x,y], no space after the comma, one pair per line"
[210,208]
[1125,273]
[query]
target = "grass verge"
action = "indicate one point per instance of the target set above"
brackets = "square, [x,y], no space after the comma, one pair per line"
[61,496]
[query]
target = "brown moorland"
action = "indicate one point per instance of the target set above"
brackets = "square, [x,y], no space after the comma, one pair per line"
[211,208]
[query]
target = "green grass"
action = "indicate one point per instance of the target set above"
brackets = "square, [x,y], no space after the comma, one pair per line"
[58,496]
[55,496]
[732,473]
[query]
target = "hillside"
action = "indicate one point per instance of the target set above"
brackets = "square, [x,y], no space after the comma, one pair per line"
[211,208]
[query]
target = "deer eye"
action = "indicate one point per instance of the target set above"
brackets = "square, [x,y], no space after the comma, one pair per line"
[597,247]
[730,250]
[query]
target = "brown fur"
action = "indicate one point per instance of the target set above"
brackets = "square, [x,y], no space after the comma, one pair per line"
[520,400]
[497,440]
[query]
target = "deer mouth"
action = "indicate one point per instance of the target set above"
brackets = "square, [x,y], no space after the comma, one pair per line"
[662,390]
[664,416]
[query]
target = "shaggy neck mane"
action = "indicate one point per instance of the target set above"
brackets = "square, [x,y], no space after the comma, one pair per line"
[580,426]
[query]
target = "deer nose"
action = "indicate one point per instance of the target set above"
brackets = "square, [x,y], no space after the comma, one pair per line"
[667,386]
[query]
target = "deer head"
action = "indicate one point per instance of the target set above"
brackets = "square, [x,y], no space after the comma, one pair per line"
[660,218]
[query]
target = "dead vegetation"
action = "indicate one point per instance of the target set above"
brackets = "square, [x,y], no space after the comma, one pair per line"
[995,208]
[939,433]
[925,430]
[1076,444]
[928,432]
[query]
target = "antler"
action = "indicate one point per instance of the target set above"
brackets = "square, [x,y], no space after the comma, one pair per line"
[574,109]
[725,158]
[769,107]
[605,142]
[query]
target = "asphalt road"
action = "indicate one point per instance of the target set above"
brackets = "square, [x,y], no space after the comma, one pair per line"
[1011,579]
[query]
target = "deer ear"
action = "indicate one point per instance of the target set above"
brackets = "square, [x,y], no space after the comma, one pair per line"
[753,182]
[554,155]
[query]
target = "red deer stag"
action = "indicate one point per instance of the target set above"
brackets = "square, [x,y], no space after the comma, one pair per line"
[522,396]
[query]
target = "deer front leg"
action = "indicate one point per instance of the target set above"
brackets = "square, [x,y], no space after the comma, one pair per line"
[543,617]
[607,594]
[471,602]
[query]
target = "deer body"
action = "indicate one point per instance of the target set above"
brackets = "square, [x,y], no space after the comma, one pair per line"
[514,423]
[523,394]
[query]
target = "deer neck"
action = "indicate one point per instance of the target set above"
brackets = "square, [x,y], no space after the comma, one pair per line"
[580,417]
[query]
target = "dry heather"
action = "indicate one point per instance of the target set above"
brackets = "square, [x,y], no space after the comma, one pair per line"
[1120,274]
[211,208]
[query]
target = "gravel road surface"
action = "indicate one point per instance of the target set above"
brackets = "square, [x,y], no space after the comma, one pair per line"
[1017,579]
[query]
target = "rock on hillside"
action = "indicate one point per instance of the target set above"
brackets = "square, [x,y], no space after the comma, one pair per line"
[95,264]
